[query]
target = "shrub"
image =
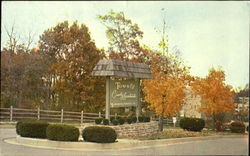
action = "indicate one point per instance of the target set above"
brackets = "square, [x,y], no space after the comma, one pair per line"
[219,126]
[32,128]
[146,119]
[134,119]
[118,117]
[112,118]
[192,124]
[105,121]
[114,122]
[99,134]
[98,121]
[61,132]
[19,123]
[121,121]
[129,120]
[140,118]
[237,127]
[125,119]
[18,127]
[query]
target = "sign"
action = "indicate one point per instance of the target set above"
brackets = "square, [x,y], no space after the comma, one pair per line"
[123,92]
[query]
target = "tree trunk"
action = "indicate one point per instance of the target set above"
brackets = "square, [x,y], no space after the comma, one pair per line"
[161,123]
[214,120]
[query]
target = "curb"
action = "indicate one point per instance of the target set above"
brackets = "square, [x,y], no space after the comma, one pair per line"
[122,144]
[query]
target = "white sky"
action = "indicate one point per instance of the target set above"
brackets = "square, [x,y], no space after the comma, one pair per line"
[206,33]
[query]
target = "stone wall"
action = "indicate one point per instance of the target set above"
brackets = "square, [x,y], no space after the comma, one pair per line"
[135,129]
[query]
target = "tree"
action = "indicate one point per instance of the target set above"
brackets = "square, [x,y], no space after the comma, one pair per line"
[72,55]
[217,97]
[21,73]
[123,36]
[165,92]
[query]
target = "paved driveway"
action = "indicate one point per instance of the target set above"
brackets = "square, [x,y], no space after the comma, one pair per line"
[222,146]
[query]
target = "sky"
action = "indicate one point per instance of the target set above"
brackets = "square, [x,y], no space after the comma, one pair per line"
[207,34]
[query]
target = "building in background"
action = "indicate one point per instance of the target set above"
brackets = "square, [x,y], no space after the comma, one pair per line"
[242,109]
[191,104]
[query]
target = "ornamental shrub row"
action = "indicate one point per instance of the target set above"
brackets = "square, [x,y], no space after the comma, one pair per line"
[192,124]
[42,129]
[62,132]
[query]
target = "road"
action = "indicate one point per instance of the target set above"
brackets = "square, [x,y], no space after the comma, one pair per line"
[222,146]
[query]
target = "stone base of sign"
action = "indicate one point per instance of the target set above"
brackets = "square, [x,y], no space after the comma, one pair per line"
[135,129]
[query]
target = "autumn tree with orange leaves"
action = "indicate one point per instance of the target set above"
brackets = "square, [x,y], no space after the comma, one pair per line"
[217,97]
[165,92]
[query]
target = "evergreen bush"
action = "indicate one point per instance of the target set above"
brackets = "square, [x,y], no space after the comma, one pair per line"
[112,118]
[141,118]
[105,121]
[32,128]
[192,124]
[61,132]
[99,134]
[129,120]
[115,122]
[134,119]
[121,121]
[18,127]
[146,119]
[98,121]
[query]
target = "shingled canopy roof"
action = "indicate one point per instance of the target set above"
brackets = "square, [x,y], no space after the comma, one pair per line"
[117,68]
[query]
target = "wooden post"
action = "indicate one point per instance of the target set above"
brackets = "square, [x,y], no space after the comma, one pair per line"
[11,113]
[62,116]
[100,115]
[115,115]
[38,113]
[138,108]
[81,117]
[107,111]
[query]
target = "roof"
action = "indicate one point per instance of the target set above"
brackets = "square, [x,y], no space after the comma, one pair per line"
[117,68]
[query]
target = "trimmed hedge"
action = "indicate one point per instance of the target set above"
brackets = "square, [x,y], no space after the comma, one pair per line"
[237,127]
[32,128]
[112,118]
[129,120]
[134,119]
[146,119]
[105,121]
[98,121]
[18,127]
[61,132]
[121,121]
[192,124]
[141,118]
[115,122]
[99,134]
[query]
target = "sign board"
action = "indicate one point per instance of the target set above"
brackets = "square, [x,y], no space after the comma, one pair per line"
[123,92]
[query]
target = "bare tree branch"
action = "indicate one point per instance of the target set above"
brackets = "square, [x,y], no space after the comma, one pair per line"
[12,42]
